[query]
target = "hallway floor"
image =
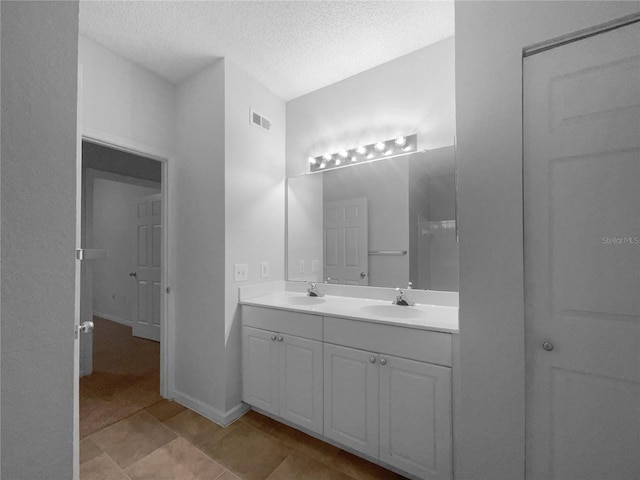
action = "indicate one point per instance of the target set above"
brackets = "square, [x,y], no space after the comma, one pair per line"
[125,378]
[168,441]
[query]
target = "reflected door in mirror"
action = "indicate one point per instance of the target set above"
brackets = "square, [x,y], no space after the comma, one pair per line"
[346,244]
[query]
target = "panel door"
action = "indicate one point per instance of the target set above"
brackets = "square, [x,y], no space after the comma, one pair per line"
[148,255]
[346,241]
[260,386]
[582,258]
[301,382]
[351,398]
[415,417]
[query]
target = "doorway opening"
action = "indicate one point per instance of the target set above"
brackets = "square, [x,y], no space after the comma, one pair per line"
[123,212]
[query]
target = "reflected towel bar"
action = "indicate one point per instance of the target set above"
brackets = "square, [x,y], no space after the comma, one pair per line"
[388,252]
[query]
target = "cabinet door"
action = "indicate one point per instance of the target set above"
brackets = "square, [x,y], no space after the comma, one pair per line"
[301,382]
[260,369]
[415,417]
[351,398]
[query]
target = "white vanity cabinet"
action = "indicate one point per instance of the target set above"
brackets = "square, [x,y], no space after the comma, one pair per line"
[282,372]
[385,399]
[351,398]
[379,389]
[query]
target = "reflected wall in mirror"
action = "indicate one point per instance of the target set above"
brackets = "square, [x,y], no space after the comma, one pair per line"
[381,224]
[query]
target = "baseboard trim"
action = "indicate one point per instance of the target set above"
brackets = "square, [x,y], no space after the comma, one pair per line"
[217,416]
[113,318]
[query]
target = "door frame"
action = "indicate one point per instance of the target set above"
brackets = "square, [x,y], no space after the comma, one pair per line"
[167,304]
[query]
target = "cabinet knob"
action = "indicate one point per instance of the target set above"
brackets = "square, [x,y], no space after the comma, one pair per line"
[548,346]
[372,359]
[383,361]
[273,338]
[280,338]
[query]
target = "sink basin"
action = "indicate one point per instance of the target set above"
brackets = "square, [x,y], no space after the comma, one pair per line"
[391,311]
[301,300]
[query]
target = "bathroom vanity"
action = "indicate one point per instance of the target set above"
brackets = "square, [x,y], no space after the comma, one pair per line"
[361,373]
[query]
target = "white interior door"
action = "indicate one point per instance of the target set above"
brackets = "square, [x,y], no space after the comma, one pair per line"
[582,258]
[147,272]
[346,241]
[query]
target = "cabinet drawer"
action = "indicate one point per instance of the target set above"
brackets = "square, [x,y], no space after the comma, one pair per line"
[415,344]
[292,323]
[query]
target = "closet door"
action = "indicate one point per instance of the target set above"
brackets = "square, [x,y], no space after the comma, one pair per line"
[582,258]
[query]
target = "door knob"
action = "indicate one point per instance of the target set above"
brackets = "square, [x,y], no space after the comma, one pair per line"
[133,274]
[548,346]
[86,327]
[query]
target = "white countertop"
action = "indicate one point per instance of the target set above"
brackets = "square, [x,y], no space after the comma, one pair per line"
[438,318]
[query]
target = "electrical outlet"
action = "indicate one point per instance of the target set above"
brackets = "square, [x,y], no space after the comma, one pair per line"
[315,266]
[264,269]
[301,266]
[240,272]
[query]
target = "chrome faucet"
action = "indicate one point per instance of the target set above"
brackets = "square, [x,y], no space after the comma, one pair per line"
[312,290]
[401,299]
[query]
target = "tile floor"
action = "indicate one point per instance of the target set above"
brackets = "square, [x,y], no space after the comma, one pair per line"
[168,441]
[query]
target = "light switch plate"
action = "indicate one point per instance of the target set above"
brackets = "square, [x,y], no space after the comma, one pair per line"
[315,266]
[240,272]
[301,266]
[264,269]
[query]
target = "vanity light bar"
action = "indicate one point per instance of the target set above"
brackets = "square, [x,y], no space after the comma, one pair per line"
[401,145]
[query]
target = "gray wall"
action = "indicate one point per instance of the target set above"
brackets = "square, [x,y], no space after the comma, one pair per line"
[38,210]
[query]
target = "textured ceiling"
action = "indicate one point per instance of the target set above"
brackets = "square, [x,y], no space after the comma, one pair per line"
[292,47]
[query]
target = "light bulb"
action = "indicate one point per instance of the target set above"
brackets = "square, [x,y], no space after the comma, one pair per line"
[322,165]
[380,146]
[343,153]
[354,159]
[327,156]
[338,161]
[361,150]
[312,161]
[401,141]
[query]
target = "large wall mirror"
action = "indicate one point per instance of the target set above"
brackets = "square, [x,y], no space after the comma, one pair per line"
[381,224]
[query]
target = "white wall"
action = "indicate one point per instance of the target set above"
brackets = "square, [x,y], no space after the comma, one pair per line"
[114,229]
[304,227]
[39,114]
[411,94]
[254,200]
[124,100]
[199,280]
[489,411]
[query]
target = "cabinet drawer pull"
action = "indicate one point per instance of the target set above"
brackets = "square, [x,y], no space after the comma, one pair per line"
[383,361]
[372,359]
[273,338]
[280,338]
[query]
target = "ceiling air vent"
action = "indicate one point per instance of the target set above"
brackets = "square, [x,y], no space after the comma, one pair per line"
[260,121]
